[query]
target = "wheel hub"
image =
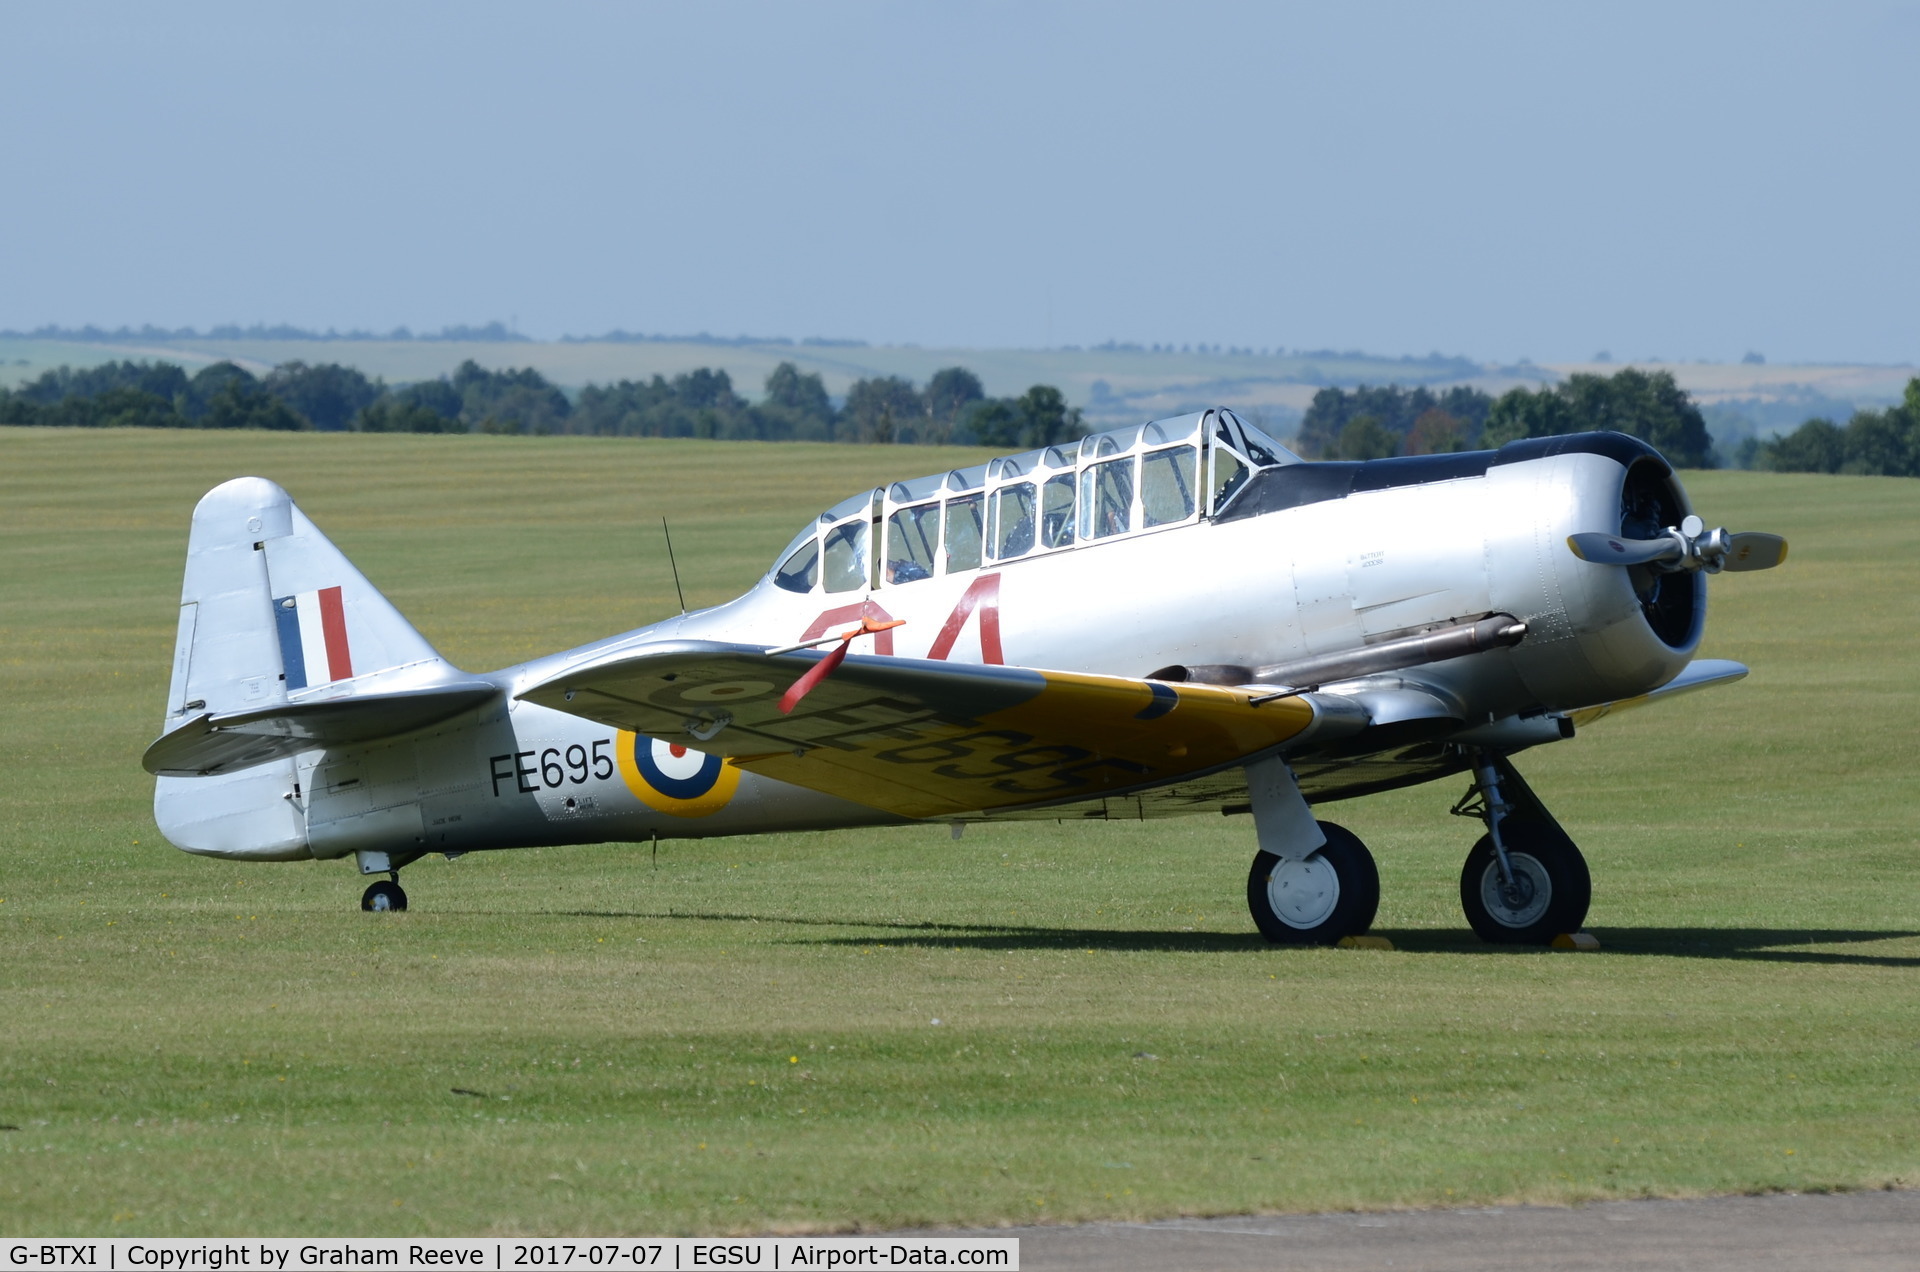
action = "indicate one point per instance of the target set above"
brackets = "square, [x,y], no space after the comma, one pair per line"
[1526,900]
[1518,893]
[1303,893]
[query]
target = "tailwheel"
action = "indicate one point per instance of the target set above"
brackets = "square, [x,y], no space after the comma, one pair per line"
[1331,893]
[1549,892]
[386,894]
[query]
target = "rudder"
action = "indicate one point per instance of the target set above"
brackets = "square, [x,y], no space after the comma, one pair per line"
[271,612]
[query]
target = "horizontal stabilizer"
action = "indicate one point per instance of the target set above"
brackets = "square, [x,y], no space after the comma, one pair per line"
[227,741]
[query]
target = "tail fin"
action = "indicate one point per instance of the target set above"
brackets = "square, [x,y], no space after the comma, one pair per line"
[271,611]
[272,615]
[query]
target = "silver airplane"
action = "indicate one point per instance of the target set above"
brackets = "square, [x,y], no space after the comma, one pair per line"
[1175,618]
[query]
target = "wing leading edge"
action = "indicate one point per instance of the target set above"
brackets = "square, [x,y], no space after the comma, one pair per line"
[1701,673]
[931,739]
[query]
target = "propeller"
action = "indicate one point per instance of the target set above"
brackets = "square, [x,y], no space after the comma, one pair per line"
[1688,546]
[826,666]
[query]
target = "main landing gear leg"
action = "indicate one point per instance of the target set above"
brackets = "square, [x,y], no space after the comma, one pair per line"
[1312,882]
[1525,882]
[385,894]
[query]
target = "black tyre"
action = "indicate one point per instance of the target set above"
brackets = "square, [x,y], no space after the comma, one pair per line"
[1333,893]
[387,894]
[1552,886]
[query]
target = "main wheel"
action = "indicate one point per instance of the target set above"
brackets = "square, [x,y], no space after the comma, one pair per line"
[387,894]
[1551,892]
[1331,894]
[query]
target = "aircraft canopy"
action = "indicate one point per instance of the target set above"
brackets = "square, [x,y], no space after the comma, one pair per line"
[1123,482]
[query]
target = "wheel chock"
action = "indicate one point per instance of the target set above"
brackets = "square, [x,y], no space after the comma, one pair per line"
[1576,941]
[1363,943]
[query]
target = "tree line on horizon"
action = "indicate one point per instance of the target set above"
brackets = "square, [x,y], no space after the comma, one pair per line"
[1884,443]
[1368,422]
[1382,422]
[953,407]
[495,332]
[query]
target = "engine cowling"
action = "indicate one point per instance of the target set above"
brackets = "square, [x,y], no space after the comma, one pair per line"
[1596,631]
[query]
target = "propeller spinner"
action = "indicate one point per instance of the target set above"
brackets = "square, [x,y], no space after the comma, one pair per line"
[1688,546]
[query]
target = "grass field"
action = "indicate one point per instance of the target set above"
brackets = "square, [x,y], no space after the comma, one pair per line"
[828,1031]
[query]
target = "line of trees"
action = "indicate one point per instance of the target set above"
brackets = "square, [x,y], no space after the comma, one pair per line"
[1879,443]
[1362,423]
[149,395]
[1376,423]
[490,332]
[329,397]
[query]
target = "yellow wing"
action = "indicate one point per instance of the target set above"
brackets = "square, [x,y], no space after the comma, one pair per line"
[929,739]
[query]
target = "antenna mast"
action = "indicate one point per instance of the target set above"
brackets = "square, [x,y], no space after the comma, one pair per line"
[676,567]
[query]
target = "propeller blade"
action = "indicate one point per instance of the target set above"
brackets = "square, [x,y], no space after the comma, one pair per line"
[1607,549]
[1752,550]
[815,674]
[825,667]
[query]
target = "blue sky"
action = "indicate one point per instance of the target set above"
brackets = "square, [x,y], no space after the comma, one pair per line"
[1499,180]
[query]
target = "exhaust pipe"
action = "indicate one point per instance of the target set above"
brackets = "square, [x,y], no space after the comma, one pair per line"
[1496,631]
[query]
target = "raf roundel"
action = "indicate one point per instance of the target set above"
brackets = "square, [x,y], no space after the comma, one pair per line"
[675,779]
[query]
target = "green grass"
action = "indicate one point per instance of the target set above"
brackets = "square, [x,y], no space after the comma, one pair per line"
[741,1038]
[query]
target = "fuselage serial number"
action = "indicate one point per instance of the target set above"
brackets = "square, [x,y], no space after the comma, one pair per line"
[552,767]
